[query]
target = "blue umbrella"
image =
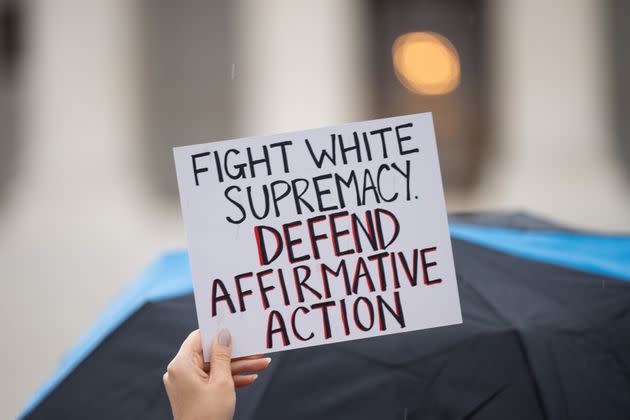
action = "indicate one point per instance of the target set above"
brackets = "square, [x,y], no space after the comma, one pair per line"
[157,312]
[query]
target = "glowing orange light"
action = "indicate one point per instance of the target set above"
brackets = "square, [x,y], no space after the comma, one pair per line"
[426,63]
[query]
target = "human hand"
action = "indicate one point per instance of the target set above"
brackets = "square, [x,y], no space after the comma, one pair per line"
[199,390]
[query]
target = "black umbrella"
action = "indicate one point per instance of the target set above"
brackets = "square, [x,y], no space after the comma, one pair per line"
[539,340]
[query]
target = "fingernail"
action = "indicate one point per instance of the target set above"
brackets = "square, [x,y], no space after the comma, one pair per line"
[268,359]
[224,337]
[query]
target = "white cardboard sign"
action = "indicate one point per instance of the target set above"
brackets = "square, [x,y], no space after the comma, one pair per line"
[318,236]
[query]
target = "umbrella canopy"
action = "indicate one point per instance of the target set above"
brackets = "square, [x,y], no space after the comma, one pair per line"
[546,334]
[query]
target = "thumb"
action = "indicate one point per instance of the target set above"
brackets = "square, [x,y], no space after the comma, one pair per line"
[221,358]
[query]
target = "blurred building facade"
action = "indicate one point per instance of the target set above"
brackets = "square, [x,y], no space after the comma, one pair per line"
[105,89]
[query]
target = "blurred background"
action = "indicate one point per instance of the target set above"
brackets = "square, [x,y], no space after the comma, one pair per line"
[531,102]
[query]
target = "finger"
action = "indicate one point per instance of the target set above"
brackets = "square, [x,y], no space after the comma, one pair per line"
[220,358]
[206,366]
[241,381]
[192,350]
[192,344]
[256,356]
[250,365]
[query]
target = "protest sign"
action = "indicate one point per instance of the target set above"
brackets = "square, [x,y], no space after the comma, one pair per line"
[318,236]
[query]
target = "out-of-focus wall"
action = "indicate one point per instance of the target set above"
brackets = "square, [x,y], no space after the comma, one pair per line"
[299,64]
[553,151]
[77,223]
